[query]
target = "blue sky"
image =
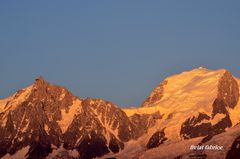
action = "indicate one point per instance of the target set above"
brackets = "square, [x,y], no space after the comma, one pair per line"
[116,50]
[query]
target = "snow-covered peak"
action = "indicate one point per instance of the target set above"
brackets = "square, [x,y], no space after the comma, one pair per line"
[183,97]
[187,85]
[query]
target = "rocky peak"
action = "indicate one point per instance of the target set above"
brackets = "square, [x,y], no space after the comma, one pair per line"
[40,79]
[40,82]
[43,89]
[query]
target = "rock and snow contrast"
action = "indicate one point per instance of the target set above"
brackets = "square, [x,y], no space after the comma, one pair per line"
[195,108]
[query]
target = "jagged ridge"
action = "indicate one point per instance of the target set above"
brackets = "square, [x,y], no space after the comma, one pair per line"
[48,120]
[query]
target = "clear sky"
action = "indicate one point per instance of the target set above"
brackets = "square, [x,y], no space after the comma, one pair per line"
[116,50]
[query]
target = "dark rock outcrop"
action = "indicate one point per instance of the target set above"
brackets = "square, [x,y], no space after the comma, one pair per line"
[190,128]
[234,152]
[156,139]
[228,90]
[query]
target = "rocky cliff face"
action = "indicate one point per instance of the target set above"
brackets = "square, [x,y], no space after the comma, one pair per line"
[48,121]
[45,117]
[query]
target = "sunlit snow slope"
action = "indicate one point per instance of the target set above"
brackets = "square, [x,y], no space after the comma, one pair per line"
[194,103]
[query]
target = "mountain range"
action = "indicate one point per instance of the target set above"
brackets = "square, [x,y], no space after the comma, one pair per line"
[195,108]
